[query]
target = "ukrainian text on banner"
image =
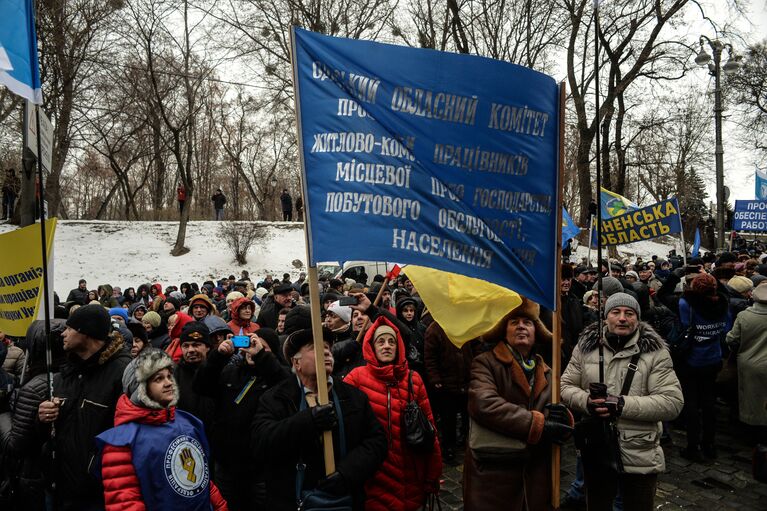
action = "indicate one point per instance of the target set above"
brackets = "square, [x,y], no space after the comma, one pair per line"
[430,158]
[750,215]
[21,276]
[641,224]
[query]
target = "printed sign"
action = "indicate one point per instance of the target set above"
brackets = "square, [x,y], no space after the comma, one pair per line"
[641,224]
[424,157]
[750,215]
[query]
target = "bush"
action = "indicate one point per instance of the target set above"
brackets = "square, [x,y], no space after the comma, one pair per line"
[239,237]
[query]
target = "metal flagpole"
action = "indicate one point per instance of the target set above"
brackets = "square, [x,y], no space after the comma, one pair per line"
[314,292]
[681,236]
[591,234]
[598,163]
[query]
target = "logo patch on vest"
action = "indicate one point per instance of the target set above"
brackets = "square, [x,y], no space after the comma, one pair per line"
[185,466]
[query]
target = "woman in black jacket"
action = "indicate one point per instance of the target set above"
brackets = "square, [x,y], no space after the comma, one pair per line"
[20,440]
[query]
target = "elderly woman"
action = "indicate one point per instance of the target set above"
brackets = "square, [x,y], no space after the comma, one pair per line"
[508,456]
[407,476]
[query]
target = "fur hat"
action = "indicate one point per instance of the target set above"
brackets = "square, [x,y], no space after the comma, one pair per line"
[704,284]
[622,300]
[567,271]
[153,318]
[760,294]
[91,320]
[138,372]
[342,311]
[528,309]
[741,284]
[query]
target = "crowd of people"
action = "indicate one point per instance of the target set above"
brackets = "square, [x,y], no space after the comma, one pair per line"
[206,396]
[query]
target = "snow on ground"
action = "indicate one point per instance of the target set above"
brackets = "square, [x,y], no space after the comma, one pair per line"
[644,249]
[127,254]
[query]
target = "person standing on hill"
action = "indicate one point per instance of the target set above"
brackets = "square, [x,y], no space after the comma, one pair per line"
[287,206]
[219,199]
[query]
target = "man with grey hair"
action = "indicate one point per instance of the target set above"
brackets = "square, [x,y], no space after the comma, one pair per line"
[289,426]
[635,389]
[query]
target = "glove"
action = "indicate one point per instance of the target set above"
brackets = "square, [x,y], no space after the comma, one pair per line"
[324,417]
[615,405]
[556,432]
[558,413]
[335,484]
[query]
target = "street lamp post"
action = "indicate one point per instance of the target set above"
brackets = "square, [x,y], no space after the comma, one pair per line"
[714,69]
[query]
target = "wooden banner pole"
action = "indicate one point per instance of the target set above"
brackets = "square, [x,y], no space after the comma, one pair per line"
[556,351]
[314,290]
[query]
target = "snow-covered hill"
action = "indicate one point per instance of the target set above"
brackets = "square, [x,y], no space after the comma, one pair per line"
[127,254]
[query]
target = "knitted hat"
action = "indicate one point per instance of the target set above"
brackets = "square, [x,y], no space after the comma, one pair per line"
[195,331]
[152,318]
[148,362]
[610,286]
[299,318]
[741,284]
[704,284]
[342,311]
[201,299]
[632,273]
[173,301]
[234,295]
[760,294]
[587,295]
[757,279]
[384,329]
[622,300]
[260,292]
[119,311]
[91,320]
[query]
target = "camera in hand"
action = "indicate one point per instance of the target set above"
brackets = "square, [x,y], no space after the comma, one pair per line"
[241,341]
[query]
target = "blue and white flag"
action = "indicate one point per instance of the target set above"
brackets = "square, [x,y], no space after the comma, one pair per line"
[696,243]
[429,158]
[19,70]
[761,184]
[569,229]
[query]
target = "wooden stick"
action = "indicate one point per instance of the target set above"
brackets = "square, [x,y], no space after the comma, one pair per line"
[556,351]
[314,292]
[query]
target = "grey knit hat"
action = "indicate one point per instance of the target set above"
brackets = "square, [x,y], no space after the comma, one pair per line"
[622,300]
[610,286]
[138,372]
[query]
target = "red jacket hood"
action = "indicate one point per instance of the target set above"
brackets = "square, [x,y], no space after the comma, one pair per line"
[182,319]
[127,411]
[393,371]
[235,309]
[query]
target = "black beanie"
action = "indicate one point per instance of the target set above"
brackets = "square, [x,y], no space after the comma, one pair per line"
[299,318]
[91,320]
[195,331]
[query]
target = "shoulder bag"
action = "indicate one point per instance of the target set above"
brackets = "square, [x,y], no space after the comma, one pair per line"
[417,432]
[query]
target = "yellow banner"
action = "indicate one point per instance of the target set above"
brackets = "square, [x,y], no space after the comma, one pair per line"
[21,276]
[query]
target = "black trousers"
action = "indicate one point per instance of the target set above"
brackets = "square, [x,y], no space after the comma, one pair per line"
[637,490]
[287,216]
[448,405]
[699,389]
[242,487]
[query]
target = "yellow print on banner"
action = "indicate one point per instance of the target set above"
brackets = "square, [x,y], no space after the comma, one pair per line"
[21,276]
[642,224]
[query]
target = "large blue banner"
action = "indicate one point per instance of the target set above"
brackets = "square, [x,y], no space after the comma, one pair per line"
[430,158]
[750,215]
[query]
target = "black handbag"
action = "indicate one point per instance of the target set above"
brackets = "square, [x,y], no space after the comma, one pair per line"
[417,432]
[598,439]
[318,500]
[681,340]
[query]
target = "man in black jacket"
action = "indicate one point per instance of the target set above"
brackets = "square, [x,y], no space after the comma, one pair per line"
[288,427]
[79,294]
[219,199]
[280,298]
[236,382]
[195,347]
[287,206]
[85,394]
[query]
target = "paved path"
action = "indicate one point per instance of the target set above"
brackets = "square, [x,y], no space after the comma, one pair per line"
[721,485]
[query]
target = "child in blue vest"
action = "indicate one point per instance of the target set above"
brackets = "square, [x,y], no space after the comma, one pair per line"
[156,457]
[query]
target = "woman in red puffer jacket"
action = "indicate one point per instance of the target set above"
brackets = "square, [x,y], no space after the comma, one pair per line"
[406,477]
[242,311]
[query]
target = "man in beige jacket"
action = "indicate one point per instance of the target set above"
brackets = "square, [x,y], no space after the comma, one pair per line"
[655,395]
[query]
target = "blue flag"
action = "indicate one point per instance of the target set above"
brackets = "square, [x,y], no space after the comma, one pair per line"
[19,70]
[569,229]
[696,243]
[435,159]
[761,184]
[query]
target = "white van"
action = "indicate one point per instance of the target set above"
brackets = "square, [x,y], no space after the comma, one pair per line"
[360,271]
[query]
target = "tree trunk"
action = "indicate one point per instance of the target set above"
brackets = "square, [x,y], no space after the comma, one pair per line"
[107,200]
